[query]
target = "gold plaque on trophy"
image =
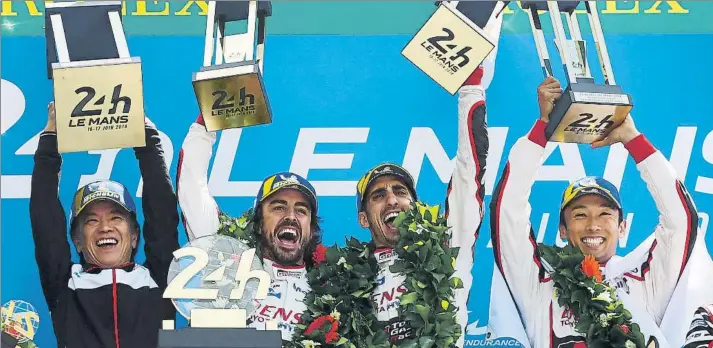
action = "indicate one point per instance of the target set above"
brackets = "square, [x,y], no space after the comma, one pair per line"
[99,106]
[448,48]
[587,117]
[232,97]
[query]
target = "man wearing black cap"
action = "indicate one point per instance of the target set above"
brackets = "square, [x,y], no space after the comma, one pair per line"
[591,219]
[106,300]
[285,221]
[388,189]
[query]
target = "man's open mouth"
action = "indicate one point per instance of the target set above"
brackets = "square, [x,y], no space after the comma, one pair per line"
[593,242]
[288,237]
[389,219]
[107,242]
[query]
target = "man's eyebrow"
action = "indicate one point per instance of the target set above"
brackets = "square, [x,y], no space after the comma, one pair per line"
[277,201]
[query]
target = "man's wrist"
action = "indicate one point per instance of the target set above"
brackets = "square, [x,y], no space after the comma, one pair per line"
[640,148]
[537,134]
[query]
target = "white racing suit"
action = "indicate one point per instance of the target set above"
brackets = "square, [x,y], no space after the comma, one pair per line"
[700,334]
[644,286]
[464,211]
[288,287]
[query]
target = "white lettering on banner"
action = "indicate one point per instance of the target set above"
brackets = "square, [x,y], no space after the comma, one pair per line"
[422,143]
[104,167]
[682,149]
[703,225]
[616,163]
[219,183]
[305,159]
[571,170]
[18,186]
[543,227]
[167,147]
[705,184]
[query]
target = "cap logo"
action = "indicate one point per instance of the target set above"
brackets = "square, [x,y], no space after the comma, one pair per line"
[384,170]
[284,181]
[98,194]
[588,182]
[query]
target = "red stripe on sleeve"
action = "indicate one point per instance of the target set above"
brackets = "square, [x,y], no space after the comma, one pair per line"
[537,134]
[640,148]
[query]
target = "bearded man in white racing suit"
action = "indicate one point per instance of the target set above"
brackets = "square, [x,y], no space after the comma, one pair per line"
[285,220]
[591,219]
[388,189]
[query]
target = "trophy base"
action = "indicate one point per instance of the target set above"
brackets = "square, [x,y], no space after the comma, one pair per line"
[99,104]
[232,96]
[587,112]
[219,338]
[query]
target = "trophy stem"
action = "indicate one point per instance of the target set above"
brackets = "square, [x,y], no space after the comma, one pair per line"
[497,11]
[209,35]
[561,40]
[60,38]
[119,38]
[599,42]
[540,42]
[576,35]
[260,55]
[220,42]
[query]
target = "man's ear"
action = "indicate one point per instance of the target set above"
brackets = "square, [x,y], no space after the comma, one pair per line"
[563,232]
[363,221]
[134,239]
[622,229]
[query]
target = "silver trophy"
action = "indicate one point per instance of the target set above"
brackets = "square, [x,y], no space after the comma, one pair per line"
[587,110]
[216,281]
[229,87]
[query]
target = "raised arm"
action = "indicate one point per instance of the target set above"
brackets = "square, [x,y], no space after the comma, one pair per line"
[513,240]
[49,225]
[200,211]
[677,227]
[464,204]
[160,212]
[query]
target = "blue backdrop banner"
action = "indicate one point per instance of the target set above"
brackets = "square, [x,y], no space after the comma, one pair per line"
[342,104]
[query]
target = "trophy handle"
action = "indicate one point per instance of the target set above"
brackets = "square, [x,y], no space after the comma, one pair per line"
[576,35]
[599,42]
[561,39]
[540,42]
[260,55]
[209,35]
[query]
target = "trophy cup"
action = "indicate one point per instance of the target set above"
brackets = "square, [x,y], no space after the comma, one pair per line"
[231,93]
[454,41]
[587,111]
[202,282]
[98,89]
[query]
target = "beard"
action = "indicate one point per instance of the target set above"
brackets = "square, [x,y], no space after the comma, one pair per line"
[274,252]
[378,231]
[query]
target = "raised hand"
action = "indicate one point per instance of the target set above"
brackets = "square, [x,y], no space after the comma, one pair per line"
[51,118]
[623,133]
[547,92]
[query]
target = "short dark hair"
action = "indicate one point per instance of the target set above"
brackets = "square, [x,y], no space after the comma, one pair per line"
[315,239]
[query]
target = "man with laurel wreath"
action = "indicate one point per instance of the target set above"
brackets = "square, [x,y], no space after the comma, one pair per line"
[388,189]
[284,221]
[591,220]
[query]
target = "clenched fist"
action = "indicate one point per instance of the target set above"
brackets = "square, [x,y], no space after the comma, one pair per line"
[547,92]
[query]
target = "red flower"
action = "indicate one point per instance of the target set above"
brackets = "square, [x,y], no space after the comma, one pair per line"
[624,328]
[320,254]
[590,267]
[320,322]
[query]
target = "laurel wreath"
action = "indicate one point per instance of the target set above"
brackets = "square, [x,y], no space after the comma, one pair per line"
[340,311]
[600,315]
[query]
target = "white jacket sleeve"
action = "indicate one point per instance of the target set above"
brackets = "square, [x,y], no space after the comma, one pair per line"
[199,209]
[464,204]
[514,244]
[676,231]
